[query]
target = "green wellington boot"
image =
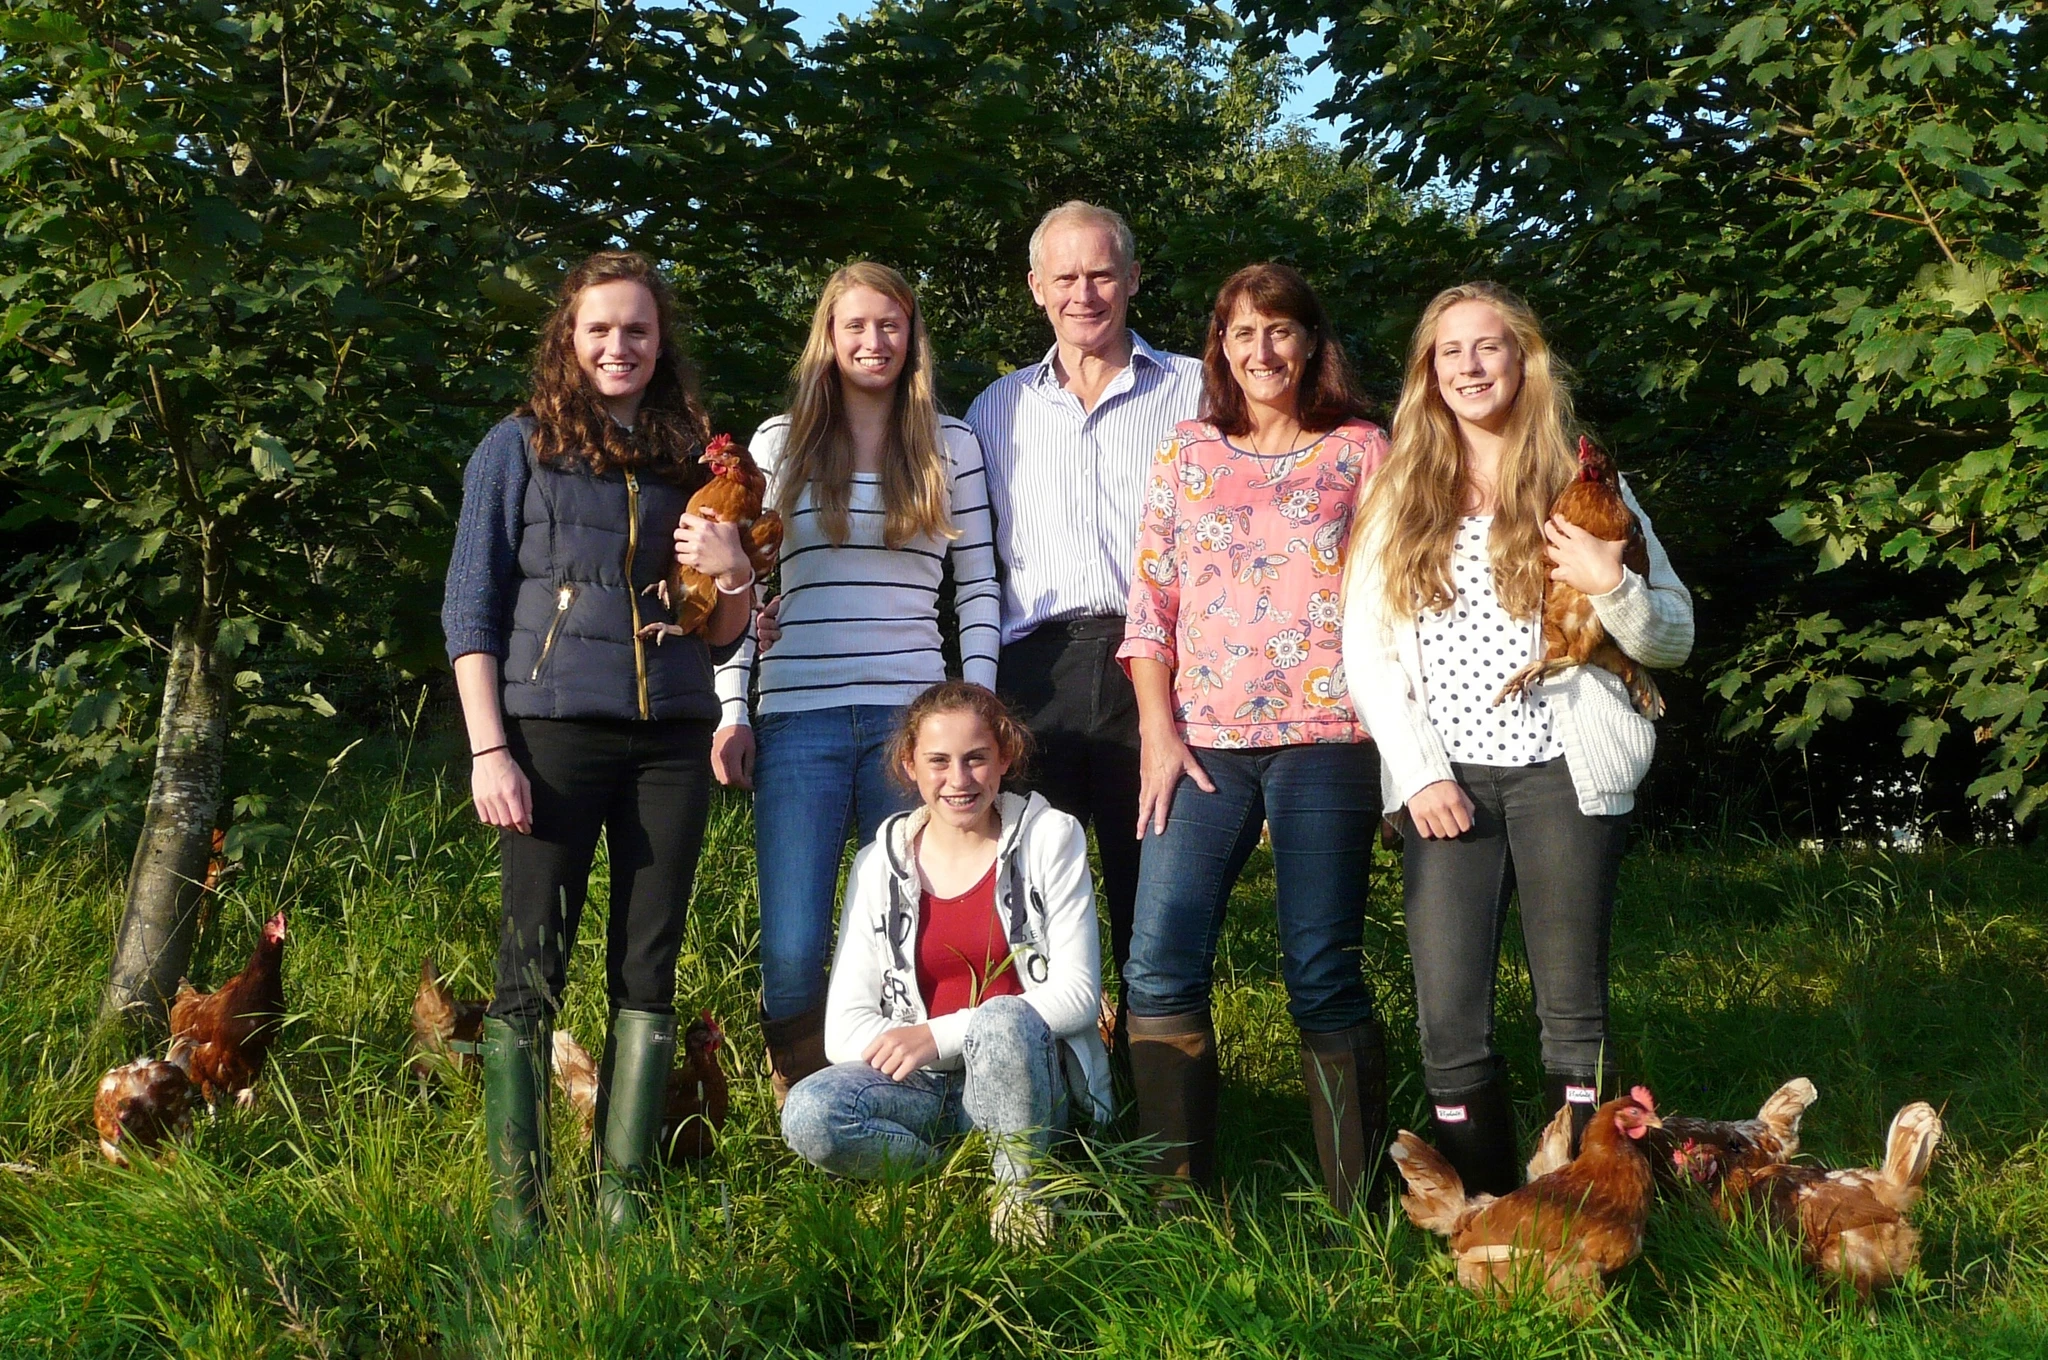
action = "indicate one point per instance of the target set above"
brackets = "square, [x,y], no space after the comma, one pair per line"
[516,1128]
[632,1093]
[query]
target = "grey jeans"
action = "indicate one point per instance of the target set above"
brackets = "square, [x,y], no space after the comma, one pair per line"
[854,1121]
[1528,839]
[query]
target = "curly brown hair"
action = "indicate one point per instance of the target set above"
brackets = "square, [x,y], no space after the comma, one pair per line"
[1013,738]
[572,425]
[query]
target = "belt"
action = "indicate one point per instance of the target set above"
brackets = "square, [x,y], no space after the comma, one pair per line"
[1088,628]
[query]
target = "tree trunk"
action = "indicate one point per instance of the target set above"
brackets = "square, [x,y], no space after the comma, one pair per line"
[168,873]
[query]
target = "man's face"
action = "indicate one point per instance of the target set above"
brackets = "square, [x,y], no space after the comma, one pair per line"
[1084,288]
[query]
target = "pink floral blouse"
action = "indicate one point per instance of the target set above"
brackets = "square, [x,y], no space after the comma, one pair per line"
[1240,558]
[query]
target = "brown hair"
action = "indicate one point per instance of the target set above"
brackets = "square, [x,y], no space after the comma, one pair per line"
[1417,498]
[917,478]
[1327,397]
[572,425]
[1013,739]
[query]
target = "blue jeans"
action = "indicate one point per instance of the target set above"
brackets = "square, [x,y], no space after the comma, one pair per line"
[817,776]
[854,1121]
[1322,803]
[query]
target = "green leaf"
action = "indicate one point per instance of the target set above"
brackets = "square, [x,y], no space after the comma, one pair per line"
[1761,376]
[1922,735]
[98,299]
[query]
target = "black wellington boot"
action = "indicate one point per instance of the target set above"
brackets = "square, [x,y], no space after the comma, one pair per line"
[1580,1090]
[1345,1075]
[1475,1131]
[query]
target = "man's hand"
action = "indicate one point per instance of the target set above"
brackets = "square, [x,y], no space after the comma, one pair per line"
[898,1052]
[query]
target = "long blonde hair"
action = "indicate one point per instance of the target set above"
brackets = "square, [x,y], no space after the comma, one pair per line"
[916,477]
[1416,500]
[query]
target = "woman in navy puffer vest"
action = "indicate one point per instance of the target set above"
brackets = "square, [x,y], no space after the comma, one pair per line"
[581,717]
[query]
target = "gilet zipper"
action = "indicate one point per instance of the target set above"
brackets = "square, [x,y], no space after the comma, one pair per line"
[564,597]
[632,593]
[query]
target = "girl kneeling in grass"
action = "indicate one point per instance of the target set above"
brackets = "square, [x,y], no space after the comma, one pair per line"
[966,987]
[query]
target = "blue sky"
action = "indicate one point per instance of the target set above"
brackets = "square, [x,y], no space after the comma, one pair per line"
[818,17]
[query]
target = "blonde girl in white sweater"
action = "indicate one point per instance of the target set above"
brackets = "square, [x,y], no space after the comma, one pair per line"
[1529,797]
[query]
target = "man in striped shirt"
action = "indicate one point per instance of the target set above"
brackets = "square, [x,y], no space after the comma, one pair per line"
[1066,443]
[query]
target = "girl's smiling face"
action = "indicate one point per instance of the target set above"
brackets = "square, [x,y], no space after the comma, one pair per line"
[618,339]
[870,339]
[958,769]
[1478,365]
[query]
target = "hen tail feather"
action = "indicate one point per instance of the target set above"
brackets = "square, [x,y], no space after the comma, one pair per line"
[1435,1200]
[1553,1146]
[1909,1149]
[1785,1108]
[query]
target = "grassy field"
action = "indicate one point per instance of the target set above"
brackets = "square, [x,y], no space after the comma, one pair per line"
[343,1215]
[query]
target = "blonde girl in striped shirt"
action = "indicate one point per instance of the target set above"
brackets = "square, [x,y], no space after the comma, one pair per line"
[879,493]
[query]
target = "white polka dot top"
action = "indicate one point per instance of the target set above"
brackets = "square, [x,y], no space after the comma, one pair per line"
[1468,652]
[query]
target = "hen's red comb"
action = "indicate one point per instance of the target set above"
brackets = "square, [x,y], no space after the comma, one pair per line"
[719,446]
[1641,1096]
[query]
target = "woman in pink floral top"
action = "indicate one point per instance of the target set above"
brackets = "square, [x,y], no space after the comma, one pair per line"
[1233,648]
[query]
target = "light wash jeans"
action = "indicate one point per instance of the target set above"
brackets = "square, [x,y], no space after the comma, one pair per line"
[854,1121]
[818,775]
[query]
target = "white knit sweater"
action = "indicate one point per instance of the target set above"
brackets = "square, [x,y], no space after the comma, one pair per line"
[1607,744]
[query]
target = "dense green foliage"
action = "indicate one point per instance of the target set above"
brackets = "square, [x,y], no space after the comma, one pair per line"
[269,275]
[344,1215]
[1798,249]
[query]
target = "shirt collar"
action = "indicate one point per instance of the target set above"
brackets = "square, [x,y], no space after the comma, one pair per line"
[1140,353]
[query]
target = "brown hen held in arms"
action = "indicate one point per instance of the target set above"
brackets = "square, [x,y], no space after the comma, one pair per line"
[222,1037]
[1572,632]
[1565,1232]
[735,495]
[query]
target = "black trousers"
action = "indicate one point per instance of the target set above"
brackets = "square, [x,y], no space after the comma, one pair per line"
[1528,839]
[647,787]
[1063,680]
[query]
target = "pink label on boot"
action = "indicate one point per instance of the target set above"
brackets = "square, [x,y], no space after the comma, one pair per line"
[1581,1095]
[1451,1114]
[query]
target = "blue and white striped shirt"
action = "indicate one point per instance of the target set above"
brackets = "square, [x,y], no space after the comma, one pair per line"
[1067,485]
[860,621]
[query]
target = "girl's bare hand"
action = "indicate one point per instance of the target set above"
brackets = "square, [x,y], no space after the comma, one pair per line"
[732,756]
[1441,811]
[503,797]
[768,626]
[705,543]
[1581,560]
[898,1052]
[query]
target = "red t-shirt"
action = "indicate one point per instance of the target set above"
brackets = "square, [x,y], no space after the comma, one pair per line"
[963,953]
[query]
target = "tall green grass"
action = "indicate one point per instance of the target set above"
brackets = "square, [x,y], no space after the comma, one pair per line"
[344,1215]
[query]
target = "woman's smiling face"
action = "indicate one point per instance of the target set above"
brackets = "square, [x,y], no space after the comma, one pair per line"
[958,767]
[1478,365]
[1267,355]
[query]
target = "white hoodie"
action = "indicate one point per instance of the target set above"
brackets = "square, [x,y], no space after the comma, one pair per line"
[1607,744]
[1046,901]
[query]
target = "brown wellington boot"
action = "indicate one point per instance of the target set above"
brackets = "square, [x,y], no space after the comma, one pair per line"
[796,1048]
[1345,1074]
[1173,1067]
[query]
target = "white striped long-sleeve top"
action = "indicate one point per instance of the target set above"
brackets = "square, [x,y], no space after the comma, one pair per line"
[1067,484]
[860,621]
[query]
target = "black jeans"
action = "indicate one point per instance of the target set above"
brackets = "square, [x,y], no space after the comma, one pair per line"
[647,786]
[1529,838]
[1063,680]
